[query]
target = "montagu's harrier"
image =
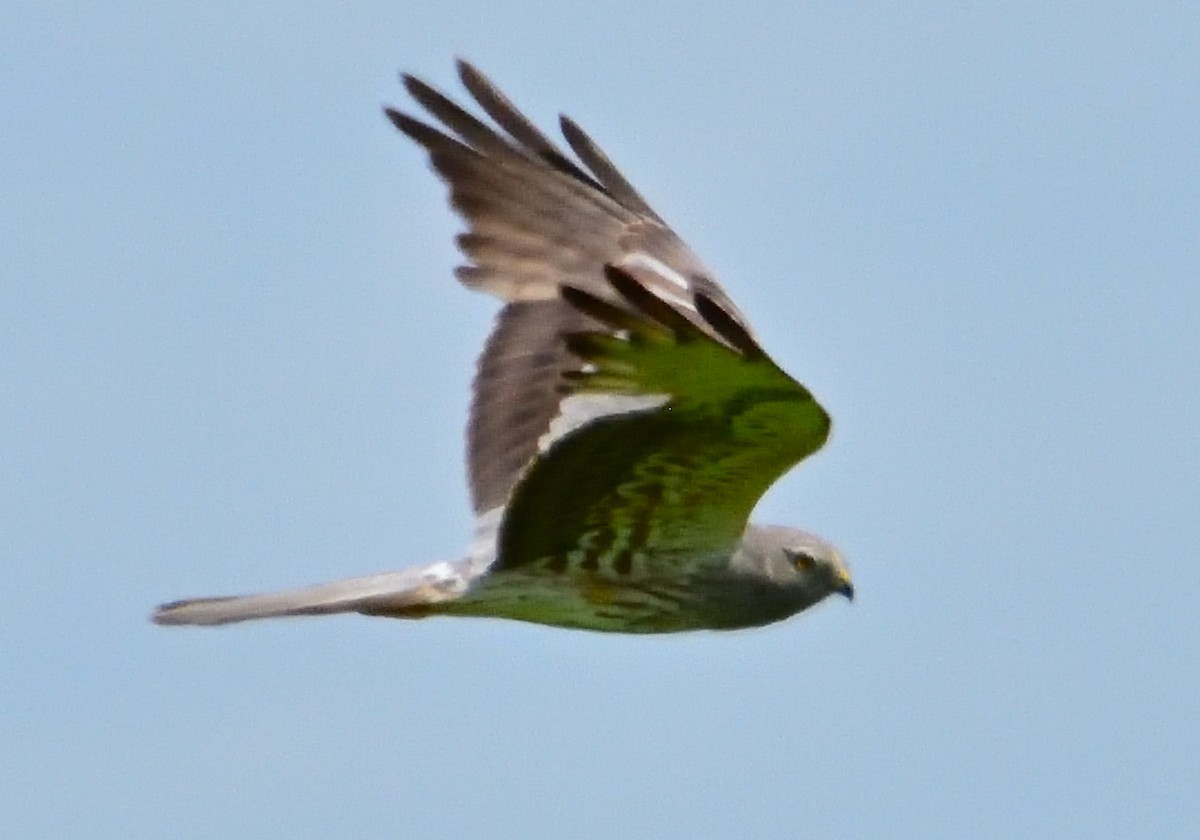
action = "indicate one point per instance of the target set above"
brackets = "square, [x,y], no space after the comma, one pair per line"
[625,421]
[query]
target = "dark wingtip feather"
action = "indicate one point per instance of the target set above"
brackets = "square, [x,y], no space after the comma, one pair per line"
[648,303]
[410,125]
[401,120]
[606,313]
[594,158]
[518,126]
[726,326]
[422,133]
[586,345]
[470,75]
[413,85]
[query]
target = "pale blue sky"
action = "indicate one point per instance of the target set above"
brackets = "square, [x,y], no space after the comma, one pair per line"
[232,358]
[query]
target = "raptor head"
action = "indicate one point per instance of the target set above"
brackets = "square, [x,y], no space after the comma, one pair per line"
[796,560]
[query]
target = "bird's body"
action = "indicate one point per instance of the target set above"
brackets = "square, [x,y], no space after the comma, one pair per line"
[624,424]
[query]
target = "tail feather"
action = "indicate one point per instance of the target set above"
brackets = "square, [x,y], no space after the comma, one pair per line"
[406,592]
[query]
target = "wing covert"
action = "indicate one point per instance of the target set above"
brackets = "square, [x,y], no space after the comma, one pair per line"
[679,479]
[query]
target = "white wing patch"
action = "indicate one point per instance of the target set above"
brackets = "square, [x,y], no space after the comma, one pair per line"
[639,264]
[640,259]
[578,410]
[482,551]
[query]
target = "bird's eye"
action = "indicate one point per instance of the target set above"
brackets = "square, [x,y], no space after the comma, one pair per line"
[802,560]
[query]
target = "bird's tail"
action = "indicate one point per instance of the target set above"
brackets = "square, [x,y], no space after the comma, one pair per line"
[410,593]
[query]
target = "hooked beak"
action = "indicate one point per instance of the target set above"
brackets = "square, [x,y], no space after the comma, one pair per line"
[846,590]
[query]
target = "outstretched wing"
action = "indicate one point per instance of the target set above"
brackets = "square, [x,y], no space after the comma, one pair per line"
[537,221]
[671,483]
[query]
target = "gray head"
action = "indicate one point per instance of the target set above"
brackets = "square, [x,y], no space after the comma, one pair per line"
[796,560]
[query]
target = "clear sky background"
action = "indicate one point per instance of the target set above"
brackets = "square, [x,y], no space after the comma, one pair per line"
[232,358]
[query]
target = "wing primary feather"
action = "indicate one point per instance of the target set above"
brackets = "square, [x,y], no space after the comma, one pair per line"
[598,162]
[586,345]
[501,109]
[606,313]
[425,135]
[727,327]
[469,128]
[649,304]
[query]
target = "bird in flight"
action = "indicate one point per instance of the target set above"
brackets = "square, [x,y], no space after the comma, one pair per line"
[624,420]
